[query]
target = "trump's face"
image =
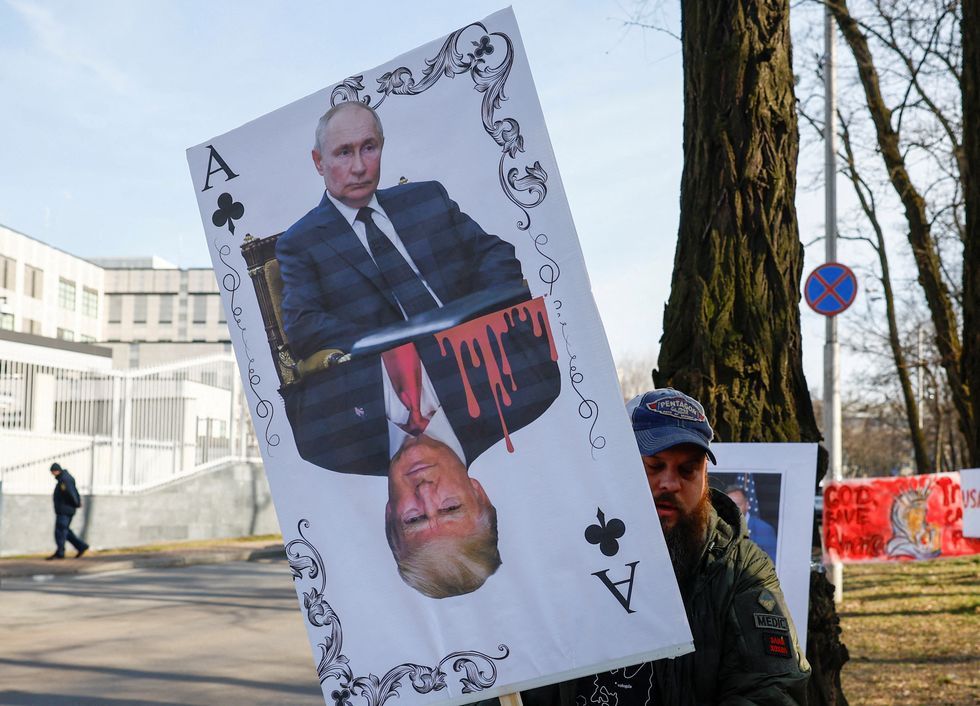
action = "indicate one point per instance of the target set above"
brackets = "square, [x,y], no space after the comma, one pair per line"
[349,158]
[430,493]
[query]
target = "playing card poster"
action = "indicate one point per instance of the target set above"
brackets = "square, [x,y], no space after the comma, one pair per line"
[773,486]
[895,519]
[464,509]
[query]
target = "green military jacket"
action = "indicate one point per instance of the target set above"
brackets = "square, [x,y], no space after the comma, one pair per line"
[746,648]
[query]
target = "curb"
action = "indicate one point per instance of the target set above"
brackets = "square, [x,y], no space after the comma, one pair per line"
[39,570]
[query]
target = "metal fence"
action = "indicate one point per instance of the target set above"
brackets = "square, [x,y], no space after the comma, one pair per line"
[120,431]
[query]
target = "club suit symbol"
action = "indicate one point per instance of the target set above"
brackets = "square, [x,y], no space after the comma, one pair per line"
[606,534]
[228,211]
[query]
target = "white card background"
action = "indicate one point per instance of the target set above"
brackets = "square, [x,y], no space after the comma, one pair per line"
[544,604]
[797,466]
[970,489]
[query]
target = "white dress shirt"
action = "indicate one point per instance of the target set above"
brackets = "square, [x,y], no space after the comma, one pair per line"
[397,413]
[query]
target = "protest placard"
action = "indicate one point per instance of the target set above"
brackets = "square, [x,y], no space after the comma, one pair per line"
[970,490]
[904,518]
[464,510]
[773,486]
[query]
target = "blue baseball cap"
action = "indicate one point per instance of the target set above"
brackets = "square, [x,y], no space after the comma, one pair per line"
[667,417]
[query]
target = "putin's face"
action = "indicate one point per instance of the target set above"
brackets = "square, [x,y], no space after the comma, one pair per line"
[349,158]
[430,493]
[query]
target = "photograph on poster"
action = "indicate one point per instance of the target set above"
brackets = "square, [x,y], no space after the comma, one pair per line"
[430,385]
[775,483]
[758,498]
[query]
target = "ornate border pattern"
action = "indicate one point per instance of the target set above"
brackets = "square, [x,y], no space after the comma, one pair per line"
[231,281]
[479,669]
[452,61]
[588,408]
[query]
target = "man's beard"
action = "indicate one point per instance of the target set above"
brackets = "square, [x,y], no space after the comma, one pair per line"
[685,539]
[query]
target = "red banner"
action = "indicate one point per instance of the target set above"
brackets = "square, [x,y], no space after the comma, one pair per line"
[887,519]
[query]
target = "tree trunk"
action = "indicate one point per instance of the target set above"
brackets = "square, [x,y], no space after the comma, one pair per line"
[970,29]
[732,323]
[919,230]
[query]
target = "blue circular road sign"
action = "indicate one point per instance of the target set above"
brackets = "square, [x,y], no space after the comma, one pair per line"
[830,288]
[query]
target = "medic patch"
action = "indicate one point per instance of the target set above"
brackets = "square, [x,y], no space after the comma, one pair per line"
[777,645]
[678,408]
[767,600]
[765,621]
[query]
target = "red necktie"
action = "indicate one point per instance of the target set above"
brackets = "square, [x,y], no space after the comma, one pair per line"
[405,370]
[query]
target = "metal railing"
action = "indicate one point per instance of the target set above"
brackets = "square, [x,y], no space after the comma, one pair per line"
[120,431]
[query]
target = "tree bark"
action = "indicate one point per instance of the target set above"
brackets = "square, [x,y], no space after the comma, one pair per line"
[732,323]
[970,32]
[919,230]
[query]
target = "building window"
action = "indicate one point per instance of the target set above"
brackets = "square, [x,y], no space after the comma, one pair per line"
[30,326]
[90,302]
[66,334]
[86,339]
[201,309]
[166,309]
[33,281]
[115,309]
[7,322]
[139,309]
[8,272]
[66,294]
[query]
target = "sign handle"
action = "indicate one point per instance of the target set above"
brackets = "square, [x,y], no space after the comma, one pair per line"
[511,699]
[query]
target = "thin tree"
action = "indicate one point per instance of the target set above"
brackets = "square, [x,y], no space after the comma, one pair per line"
[866,199]
[970,95]
[924,246]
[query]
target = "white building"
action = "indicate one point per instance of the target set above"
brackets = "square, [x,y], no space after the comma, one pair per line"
[145,309]
[47,292]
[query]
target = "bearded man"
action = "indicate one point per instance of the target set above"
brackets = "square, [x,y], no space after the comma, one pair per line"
[745,646]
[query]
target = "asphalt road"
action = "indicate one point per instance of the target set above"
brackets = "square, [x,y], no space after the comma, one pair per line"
[216,634]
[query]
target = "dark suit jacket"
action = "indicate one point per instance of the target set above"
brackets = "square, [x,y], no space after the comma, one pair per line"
[333,294]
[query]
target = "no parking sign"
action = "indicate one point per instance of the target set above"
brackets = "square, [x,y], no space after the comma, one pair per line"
[830,288]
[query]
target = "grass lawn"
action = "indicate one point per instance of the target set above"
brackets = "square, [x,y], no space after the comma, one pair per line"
[913,632]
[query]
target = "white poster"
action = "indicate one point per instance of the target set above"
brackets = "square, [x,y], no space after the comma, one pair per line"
[774,486]
[464,510]
[970,489]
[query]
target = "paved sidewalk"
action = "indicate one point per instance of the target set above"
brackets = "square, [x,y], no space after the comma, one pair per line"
[216,552]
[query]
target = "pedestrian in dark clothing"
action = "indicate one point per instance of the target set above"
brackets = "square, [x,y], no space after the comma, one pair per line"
[66,501]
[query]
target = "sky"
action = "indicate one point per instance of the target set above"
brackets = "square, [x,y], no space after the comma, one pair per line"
[102,98]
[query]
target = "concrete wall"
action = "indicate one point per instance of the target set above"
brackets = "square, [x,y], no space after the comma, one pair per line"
[230,501]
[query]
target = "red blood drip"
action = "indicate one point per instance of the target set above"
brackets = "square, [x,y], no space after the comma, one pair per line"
[474,335]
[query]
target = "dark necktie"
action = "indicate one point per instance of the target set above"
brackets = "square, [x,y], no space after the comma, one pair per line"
[397,273]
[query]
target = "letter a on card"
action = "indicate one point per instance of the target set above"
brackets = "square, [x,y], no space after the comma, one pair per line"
[613,586]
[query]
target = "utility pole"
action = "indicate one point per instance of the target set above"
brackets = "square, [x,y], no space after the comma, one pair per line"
[831,349]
